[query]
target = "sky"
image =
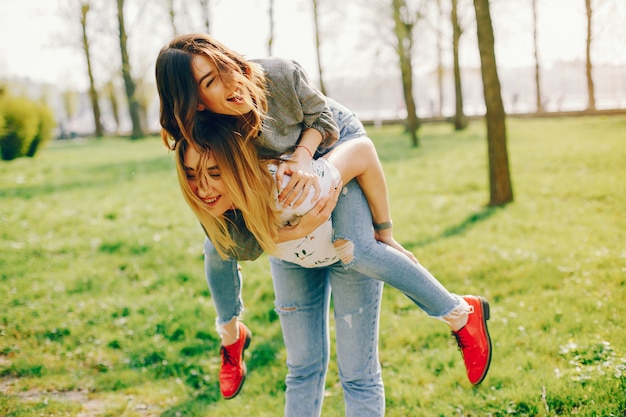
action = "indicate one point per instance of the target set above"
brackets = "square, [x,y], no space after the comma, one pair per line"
[29,36]
[30,46]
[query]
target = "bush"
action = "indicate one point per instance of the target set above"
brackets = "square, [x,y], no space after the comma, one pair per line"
[24,126]
[44,130]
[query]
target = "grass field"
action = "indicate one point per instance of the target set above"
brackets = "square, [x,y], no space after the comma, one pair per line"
[104,310]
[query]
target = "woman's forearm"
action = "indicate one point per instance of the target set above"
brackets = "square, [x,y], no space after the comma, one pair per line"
[313,218]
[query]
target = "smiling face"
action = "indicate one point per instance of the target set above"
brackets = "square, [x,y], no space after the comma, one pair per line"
[208,186]
[216,94]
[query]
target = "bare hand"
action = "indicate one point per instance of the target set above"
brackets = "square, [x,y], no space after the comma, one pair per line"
[300,183]
[386,236]
[321,212]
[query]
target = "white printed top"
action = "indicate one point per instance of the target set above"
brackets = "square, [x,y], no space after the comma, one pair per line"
[315,249]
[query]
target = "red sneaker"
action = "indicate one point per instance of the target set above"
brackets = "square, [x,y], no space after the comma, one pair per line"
[474,341]
[233,371]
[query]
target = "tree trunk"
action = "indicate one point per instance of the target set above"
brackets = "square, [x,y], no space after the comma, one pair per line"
[111,92]
[205,9]
[438,110]
[172,15]
[460,120]
[537,68]
[589,68]
[93,92]
[501,191]
[270,38]
[129,84]
[317,47]
[404,36]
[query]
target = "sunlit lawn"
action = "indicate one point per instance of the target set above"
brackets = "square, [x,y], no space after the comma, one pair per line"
[104,307]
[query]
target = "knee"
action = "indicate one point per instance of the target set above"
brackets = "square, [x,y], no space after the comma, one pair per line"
[285,309]
[364,382]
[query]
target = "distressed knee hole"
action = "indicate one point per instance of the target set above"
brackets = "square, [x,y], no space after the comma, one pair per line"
[285,309]
[345,250]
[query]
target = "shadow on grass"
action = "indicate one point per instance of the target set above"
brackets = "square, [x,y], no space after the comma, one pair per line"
[91,177]
[457,230]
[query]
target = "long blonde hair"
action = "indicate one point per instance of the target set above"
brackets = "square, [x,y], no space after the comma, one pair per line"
[247,180]
[178,88]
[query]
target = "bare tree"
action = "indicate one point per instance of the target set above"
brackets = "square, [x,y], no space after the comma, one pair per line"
[501,190]
[85,7]
[537,67]
[460,120]
[70,105]
[270,38]
[110,91]
[589,67]
[438,110]
[145,96]
[129,84]
[404,22]
[205,10]
[171,12]
[318,45]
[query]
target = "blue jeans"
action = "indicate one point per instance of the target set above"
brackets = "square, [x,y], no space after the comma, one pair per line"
[352,221]
[302,303]
[302,298]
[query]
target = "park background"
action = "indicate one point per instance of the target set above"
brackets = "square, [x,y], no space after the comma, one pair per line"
[42,54]
[104,307]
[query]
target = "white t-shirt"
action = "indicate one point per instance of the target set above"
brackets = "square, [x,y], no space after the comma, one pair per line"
[315,249]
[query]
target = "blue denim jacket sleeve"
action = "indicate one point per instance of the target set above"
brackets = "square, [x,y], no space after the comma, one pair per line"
[248,248]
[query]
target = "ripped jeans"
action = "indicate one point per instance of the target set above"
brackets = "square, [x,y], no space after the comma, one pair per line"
[302,299]
[302,304]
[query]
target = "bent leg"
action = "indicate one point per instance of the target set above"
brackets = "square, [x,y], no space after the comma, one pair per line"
[362,253]
[357,158]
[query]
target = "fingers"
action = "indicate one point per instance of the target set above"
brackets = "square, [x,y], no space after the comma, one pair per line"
[327,204]
[322,210]
[386,237]
[298,188]
[280,173]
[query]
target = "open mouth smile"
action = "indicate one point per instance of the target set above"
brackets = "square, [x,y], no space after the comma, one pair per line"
[211,200]
[236,97]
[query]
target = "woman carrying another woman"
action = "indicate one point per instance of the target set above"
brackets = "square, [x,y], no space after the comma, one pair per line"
[203,86]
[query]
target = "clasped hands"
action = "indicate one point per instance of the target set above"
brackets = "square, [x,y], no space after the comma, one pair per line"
[298,188]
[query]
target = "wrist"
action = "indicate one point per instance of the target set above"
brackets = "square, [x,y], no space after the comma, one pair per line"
[383,226]
[306,149]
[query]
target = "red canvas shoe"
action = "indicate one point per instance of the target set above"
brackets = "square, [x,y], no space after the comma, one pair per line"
[233,371]
[474,341]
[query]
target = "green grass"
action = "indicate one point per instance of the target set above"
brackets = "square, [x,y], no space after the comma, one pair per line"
[103,303]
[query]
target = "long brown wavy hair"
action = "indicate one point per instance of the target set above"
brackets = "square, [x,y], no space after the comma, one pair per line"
[178,88]
[247,180]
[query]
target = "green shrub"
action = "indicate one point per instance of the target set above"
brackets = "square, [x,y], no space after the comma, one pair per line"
[2,122]
[44,131]
[24,126]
